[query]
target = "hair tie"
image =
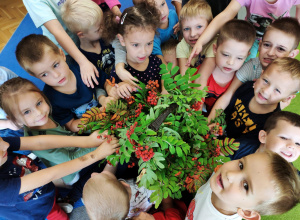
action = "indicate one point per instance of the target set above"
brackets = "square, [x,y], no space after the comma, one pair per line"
[123,18]
[117,19]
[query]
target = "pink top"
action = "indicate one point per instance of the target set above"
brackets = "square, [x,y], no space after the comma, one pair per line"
[110,3]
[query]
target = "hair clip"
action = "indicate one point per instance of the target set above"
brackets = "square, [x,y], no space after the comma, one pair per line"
[123,18]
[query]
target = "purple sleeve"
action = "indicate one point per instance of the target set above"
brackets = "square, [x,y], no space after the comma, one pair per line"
[14,143]
[112,3]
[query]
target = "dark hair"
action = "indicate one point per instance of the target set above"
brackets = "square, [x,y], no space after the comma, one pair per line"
[239,30]
[143,15]
[287,25]
[31,49]
[290,117]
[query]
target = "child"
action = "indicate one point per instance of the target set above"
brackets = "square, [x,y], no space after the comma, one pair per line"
[168,18]
[233,45]
[46,14]
[89,30]
[68,95]
[28,107]
[168,49]
[281,134]
[194,18]
[259,184]
[280,40]
[26,191]
[260,13]
[252,104]
[136,32]
[113,5]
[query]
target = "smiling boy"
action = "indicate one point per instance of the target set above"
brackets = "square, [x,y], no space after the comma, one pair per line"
[259,184]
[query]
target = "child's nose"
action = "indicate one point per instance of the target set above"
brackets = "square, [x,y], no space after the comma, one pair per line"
[290,144]
[230,61]
[56,74]
[193,32]
[232,176]
[271,51]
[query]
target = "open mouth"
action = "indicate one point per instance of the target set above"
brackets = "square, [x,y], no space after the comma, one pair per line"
[286,154]
[219,181]
[193,41]
[268,60]
[164,18]
[260,96]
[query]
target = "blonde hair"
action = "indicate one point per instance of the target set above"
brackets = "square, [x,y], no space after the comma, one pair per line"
[105,198]
[196,8]
[288,65]
[80,15]
[32,48]
[10,92]
[287,187]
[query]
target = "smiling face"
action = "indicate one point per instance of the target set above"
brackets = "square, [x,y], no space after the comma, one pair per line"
[274,86]
[230,55]
[33,110]
[138,43]
[162,6]
[243,183]
[52,69]
[284,140]
[192,28]
[275,44]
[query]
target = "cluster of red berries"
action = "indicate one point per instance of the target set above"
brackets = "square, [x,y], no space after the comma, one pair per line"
[139,110]
[197,106]
[152,85]
[131,165]
[130,100]
[143,152]
[152,98]
[108,162]
[130,132]
[108,137]
[219,128]
[119,124]
[217,151]
[177,174]
[206,136]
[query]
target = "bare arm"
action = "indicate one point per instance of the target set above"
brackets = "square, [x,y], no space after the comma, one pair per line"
[42,177]
[116,11]
[205,70]
[177,6]
[224,100]
[5,123]
[182,65]
[87,69]
[230,11]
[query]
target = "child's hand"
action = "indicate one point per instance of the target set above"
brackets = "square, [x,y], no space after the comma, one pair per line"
[195,52]
[107,100]
[164,92]
[95,139]
[88,73]
[126,76]
[107,148]
[112,91]
[143,216]
[176,28]
[124,90]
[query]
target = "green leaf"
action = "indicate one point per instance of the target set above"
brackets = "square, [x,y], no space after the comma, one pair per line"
[168,81]
[150,132]
[194,85]
[194,77]
[172,86]
[169,66]
[184,87]
[134,137]
[166,76]
[179,151]
[174,70]
[128,144]
[181,81]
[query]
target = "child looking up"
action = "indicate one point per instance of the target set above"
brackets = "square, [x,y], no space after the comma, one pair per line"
[281,134]
[194,18]
[253,103]
[28,107]
[259,184]
[27,191]
[233,45]
[280,40]
[167,20]
[89,28]
[259,12]
[68,95]
[136,32]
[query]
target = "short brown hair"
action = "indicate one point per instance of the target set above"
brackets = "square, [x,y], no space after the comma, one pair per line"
[100,199]
[288,65]
[32,48]
[169,45]
[287,187]
[80,15]
[290,117]
[196,8]
[289,26]
[239,30]
[10,92]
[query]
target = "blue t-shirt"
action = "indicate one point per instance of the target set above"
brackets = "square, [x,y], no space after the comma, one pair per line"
[68,106]
[32,205]
[165,34]
[103,61]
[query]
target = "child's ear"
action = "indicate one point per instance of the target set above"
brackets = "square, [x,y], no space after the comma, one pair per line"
[294,53]
[62,53]
[262,136]
[248,215]
[80,34]
[215,48]
[121,39]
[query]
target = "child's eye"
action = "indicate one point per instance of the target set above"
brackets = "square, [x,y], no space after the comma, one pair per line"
[240,58]
[56,65]
[283,138]
[225,55]
[26,112]
[199,26]
[241,165]
[281,49]
[150,43]
[277,90]
[44,74]
[163,3]
[135,45]
[265,81]
[266,45]
[298,144]
[186,29]
[245,185]
[39,103]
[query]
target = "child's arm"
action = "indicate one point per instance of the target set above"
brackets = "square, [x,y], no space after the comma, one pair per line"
[111,90]
[178,5]
[230,11]
[116,11]
[87,69]
[42,177]
[182,65]
[124,90]
[205,70]
[72,125]
[5,123]
[224,100]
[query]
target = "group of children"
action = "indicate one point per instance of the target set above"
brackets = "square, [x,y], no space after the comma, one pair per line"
[86,42]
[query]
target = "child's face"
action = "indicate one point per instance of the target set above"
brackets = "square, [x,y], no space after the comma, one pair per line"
[33,110]
[162,6]
[284,140]
[275,44]
[94,33]
[243,183]
[230,55]
[192,28]
[52,69]
[138,43]
[274,86]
